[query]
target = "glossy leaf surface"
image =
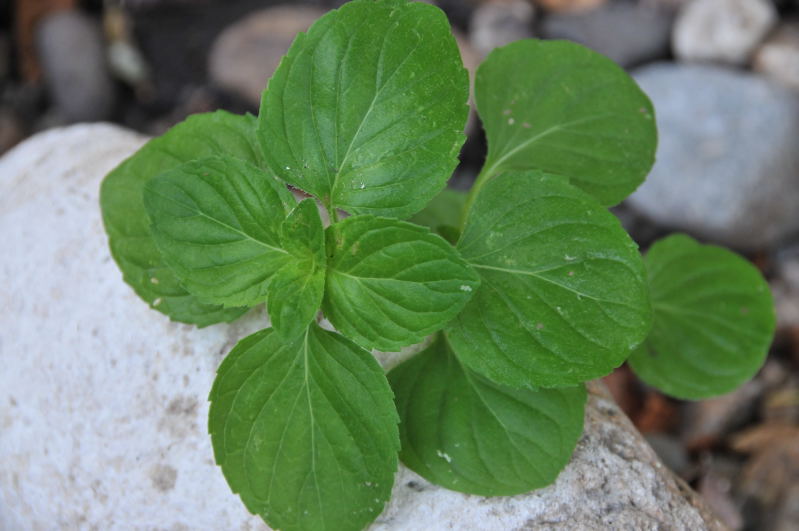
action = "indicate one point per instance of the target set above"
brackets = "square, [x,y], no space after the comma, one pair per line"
[391,283]
[563,297]
[126,222]
[305,431]
[562,108]
[367,109]
[216,222]
[466,433]
[713,320]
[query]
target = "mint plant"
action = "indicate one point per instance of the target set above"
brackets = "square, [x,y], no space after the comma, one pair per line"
[519,292]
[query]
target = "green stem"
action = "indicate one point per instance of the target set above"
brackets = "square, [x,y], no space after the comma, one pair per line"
[483,177]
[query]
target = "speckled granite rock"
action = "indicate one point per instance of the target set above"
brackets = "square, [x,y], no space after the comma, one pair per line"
[103,401]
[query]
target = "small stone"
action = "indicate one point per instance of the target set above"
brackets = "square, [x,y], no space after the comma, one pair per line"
[628,33]
[72,57]
[725,31]
[500,22]
[778,56]
[727,161]
[569,6]
[246,54]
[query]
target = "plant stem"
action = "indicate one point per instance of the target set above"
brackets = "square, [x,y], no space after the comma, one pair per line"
[483,177]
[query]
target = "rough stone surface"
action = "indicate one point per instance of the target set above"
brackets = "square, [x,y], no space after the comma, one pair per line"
[103,401]
[499,22]
[725,31]
[246,54]
[778,56]
[70,49]
[727,162]
[628,33]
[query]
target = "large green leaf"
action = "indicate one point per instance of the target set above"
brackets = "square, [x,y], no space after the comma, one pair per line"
[563,297]
[391,283]
[305,431]
[713,320]
[126,222]
[469,434]
[216,222]
[367,109]
[562,108]
[295,292]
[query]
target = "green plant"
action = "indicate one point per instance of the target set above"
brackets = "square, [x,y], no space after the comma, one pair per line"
[522,290]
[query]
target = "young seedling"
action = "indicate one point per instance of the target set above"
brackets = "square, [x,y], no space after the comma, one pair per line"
[524,289]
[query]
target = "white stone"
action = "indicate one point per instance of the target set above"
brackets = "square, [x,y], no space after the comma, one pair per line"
[103,401]
[726,31]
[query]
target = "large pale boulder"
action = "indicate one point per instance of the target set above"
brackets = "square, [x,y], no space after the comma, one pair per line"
[103,401]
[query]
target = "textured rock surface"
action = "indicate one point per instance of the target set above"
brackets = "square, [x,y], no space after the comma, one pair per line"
[628,33]
[726,31]
[727,165]
[103,401]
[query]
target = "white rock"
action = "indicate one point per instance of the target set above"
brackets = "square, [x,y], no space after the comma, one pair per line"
[778,57]
[726,31]
[103,401]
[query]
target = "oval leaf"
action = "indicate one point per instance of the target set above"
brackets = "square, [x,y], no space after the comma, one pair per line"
[563,297]
[562,108]
[216,223]
[367,109]
[713,320]
[126,222]
[391,283]
[468,434]
[305,431]
[296,290]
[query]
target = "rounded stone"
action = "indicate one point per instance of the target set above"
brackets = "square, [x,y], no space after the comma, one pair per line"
[727,167]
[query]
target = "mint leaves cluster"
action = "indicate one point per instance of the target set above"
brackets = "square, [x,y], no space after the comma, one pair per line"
[523,289]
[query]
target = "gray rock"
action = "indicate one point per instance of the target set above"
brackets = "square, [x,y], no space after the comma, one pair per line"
[103,401]
[727,163]
[499,22]
[778,56]
[246,54]
[726,31]
[628,33]
[71,52]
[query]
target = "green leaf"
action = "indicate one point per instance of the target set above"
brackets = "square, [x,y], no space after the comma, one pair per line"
[391,283]
[126,221]
[713,320]
[367,109]
[305,431]
[563,297]
[295,292]
[468,434]
[443,214]
[559,107]
[216,223]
